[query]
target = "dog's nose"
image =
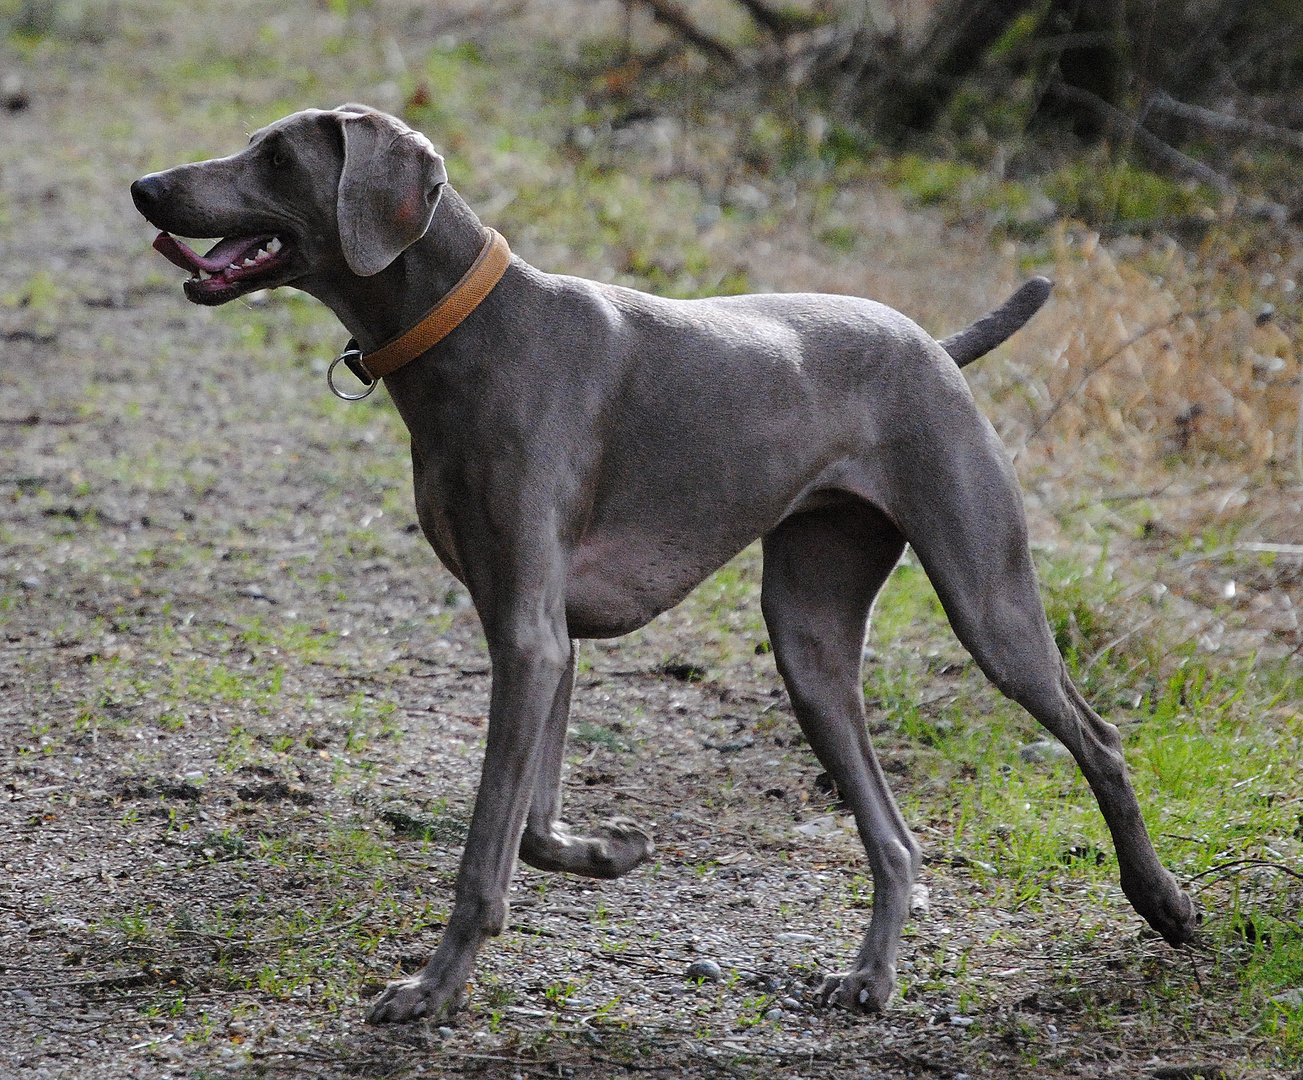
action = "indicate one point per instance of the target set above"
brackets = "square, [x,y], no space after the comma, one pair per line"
[147,192]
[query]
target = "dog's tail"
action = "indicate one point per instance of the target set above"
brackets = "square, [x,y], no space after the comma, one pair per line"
[984,335]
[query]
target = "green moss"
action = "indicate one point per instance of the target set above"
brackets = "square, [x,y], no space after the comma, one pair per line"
[1101,192]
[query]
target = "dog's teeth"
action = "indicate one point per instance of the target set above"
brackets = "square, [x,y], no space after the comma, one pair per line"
[248,262]
[275,245]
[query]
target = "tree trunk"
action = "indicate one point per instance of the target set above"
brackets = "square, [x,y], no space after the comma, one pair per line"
[910,94]
[1101,65]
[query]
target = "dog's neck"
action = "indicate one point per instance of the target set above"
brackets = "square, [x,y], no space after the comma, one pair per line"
[377,309]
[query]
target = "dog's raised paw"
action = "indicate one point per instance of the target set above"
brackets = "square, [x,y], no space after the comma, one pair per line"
[622,845]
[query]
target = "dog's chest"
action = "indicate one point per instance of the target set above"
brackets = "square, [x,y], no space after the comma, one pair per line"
[437,527]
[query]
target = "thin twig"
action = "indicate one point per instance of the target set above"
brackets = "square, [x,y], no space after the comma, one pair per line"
[779,22]
[217,939]
[633,1066]
[1116,641]
[1053,410]
[1236,866]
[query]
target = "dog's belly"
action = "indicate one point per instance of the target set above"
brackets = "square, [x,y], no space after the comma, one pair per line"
[621,580]
[617,583]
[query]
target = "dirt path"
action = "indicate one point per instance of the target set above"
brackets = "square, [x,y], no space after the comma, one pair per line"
[243,705]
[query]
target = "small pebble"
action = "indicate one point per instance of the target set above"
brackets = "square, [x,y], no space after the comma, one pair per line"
[790,1003]
[705,969]
[774,1014]
[1044,750]
[961,1021]
[445,1033]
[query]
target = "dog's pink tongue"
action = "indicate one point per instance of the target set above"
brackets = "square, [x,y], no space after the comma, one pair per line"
[218,259]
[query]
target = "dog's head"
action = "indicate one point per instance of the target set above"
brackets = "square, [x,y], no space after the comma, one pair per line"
[319,192]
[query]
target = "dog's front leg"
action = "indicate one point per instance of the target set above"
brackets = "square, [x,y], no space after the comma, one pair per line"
[530,651]
[619,844]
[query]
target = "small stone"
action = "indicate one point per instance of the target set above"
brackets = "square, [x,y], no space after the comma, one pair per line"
[1044,750]
[1292,999]
[920,899]
[705,969]
[774,1014]
[796,939]
[445,1033]
[961,1021]
[791,1003]
[238,1027]
[817,827]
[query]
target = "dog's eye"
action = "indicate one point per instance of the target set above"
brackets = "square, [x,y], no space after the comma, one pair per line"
[278,159]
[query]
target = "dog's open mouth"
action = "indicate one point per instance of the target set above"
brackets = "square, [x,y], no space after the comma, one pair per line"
[233,266]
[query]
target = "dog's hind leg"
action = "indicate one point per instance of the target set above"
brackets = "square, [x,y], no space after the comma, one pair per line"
[822,571]
[960,506]
[547,843]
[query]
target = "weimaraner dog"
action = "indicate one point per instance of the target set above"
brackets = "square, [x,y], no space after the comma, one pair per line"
[584,455]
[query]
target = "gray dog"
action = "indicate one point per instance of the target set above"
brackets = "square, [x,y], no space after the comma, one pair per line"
[584,455]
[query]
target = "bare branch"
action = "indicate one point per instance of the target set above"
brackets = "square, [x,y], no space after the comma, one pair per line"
[668,13]
[1146,140]
[1231,125]
[780,23]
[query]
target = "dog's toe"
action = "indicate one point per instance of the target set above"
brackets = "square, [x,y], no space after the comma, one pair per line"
[408,1000]
[859,991]
[622,845]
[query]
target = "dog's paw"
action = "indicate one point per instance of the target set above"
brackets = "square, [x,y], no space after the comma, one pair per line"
[867,990]
[621,845]
[1178,920]
[413,999]
[1165,907]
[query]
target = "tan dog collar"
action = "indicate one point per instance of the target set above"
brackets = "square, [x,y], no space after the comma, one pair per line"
[440,321]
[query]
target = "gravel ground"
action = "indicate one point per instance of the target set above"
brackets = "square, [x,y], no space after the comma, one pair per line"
[243,715]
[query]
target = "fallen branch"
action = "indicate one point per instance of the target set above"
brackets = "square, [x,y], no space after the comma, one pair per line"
[1146,140]
[1231,125]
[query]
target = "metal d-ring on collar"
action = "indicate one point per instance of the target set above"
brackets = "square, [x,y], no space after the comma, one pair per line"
[352,359]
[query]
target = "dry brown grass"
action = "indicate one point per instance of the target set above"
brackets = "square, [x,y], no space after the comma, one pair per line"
[1146,364]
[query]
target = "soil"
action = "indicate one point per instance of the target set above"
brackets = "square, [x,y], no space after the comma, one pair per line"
[243,713]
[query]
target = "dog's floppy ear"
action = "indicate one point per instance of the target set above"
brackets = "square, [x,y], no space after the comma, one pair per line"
[388,189]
